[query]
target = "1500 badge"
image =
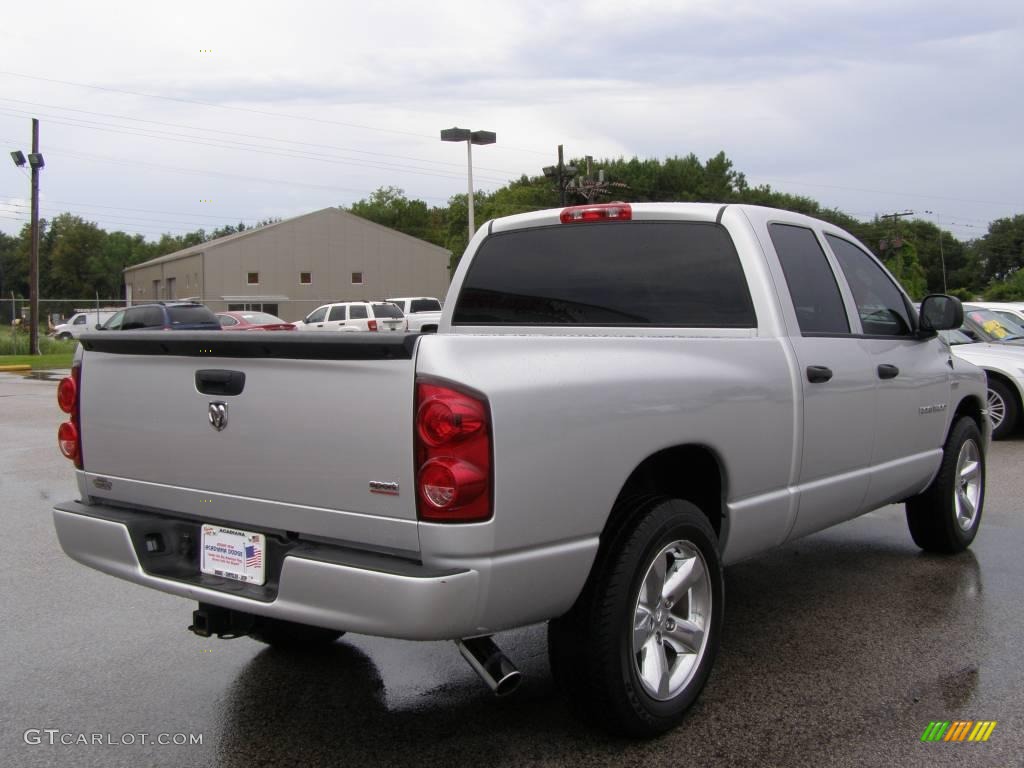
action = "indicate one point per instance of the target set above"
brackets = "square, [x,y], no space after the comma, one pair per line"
[388,489]
[932,408]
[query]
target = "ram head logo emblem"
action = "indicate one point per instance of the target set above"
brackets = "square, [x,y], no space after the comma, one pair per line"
[218,415]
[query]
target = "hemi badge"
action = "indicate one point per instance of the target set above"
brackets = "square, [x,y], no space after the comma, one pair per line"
[388,489]
[102,483]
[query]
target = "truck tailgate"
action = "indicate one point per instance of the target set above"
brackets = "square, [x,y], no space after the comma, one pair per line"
[317,441]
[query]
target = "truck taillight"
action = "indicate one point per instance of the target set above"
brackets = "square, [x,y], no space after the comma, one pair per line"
[69,434]
[371,325]
[597,212]
[453,455]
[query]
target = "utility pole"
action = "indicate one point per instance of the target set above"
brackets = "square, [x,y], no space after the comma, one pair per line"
[562,174]
[36,162]
[894,242]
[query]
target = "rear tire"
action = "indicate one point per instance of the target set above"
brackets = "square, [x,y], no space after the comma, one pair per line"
[291,636]
[636,649]
[1003,409]
[945,518]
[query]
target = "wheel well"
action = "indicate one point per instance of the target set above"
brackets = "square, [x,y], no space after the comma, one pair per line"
[971,408]
[690,472]
[1003,379]
[428,329]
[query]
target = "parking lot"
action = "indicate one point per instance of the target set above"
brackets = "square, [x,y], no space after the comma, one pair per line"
[843,660]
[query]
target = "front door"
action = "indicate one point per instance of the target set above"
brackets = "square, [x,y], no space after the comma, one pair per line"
[913,379]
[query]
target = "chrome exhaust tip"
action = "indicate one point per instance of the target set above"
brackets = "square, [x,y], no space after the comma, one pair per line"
[490,664]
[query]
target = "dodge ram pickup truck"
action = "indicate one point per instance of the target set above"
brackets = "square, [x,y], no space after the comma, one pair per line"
[620,400]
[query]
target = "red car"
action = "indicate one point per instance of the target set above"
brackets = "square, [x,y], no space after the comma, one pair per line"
[252,321]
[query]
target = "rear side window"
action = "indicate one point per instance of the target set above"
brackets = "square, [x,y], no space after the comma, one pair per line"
[812,284]
[425,305]
[386,310]
[337,313]
[882,309]
[191,315]
[357,312]
[681,274]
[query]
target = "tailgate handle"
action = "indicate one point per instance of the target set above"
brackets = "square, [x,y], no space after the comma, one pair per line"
[221,383]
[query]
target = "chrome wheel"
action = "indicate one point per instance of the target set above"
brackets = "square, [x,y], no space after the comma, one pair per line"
[671,620]
[996,408]
[968,484]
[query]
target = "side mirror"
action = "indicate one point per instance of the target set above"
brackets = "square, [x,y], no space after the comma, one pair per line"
[99,326]
[940,312]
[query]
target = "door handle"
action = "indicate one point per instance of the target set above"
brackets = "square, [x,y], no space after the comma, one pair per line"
[818,374]
[220,383]
[887,371]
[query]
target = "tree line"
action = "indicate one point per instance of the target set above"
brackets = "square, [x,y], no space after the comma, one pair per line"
[79,259]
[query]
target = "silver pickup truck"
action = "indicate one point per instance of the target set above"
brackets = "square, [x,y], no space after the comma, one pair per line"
[620,401]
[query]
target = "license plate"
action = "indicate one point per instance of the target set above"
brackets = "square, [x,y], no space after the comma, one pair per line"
[233,554]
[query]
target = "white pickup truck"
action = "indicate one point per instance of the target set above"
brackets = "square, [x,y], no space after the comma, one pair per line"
[619,402]
[423,312]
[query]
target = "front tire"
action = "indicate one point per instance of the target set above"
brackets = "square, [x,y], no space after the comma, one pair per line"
[945,518]
[638,646]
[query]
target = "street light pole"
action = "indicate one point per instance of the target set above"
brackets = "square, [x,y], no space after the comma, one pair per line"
[36,162]
[469,197]
[942,256]
[471,138]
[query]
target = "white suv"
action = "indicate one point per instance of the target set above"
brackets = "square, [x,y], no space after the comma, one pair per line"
[354,316]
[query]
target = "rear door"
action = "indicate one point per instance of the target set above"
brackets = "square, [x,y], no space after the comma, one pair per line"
[836,380]
[336,317]
[389,317]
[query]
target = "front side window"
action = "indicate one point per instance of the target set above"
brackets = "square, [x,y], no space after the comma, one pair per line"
[226,320]
[812,285]
[880,304]
[114,323]
[317,315]
[640,273]
[79,320]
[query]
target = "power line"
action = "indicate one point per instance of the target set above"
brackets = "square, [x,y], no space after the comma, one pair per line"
[375,129]
[238,146]
[253,136]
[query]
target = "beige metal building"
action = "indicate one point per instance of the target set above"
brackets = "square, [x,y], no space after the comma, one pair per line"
[292,267]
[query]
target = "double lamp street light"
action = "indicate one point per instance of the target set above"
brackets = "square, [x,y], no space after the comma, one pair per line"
[35,161]
[471,138]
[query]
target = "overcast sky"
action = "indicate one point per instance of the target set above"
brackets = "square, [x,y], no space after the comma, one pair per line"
[171,116]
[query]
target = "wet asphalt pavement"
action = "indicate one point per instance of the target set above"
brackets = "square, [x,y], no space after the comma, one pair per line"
[838,649]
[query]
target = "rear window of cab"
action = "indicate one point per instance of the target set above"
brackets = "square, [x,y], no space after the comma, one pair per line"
[668,274]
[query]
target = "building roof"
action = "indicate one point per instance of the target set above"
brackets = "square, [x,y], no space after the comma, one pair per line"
[205,246]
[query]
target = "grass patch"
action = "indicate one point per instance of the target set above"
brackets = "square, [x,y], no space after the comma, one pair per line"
[53,353]
[39,362]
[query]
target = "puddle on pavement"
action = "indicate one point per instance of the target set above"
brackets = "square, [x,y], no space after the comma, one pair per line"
[55,375]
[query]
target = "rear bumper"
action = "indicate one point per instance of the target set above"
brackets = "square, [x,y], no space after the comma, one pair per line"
[323,586]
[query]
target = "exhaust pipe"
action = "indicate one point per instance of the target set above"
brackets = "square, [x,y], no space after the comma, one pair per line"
[491,664]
